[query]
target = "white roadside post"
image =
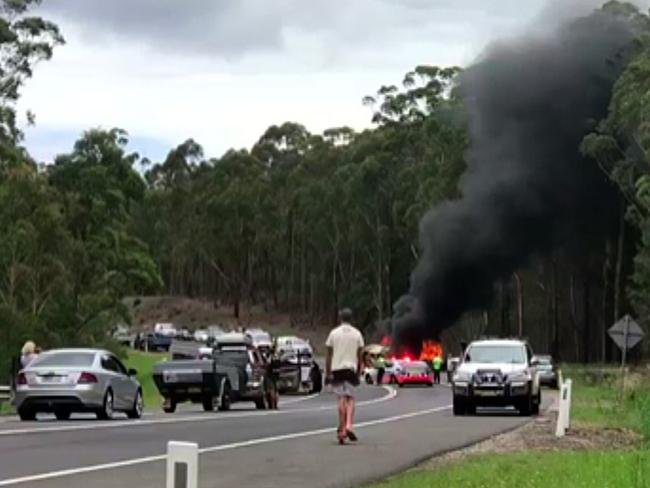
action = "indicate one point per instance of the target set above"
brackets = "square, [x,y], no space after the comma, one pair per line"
[567,406]
[560,426]
[182,465]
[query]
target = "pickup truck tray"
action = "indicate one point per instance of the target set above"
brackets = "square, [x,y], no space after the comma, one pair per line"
[193,380]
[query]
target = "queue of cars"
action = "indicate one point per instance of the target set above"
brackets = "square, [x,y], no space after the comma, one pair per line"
[231,367]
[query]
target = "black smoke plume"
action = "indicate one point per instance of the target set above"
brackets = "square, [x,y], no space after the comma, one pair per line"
[530,102]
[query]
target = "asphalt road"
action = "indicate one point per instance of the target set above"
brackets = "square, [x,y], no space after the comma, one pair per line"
[293,447]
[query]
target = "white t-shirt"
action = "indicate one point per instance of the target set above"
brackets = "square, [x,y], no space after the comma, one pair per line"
[345,342]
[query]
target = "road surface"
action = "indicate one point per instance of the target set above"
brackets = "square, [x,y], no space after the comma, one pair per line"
[293,447]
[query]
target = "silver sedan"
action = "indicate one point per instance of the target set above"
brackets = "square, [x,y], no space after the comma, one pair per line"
[63,381]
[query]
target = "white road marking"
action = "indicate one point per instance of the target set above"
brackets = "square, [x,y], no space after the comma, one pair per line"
[91,425]
[297,400]
[221,447]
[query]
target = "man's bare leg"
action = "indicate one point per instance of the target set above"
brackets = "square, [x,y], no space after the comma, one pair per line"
[342,404]
[350,407]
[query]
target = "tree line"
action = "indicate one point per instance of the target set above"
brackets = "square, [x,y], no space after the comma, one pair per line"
[300,222]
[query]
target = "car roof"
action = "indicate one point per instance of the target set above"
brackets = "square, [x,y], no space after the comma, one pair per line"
[498,342]
[77,349]
[414,362]
[233,338]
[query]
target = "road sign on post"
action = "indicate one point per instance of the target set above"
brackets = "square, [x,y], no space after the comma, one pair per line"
[626,333]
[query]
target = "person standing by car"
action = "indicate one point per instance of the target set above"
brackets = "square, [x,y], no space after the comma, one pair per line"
[437,368]
[342,368]
[28,353]
[380,365]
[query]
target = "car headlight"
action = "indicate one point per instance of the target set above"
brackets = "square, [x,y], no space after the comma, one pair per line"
[462,377]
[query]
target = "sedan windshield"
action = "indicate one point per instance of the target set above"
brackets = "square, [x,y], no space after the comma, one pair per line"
[81,359]
[495,354]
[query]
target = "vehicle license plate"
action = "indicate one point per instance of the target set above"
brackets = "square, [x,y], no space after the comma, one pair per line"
[489,393]
[53,380]
[194,389]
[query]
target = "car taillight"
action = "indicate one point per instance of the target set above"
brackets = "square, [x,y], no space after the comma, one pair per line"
[21,379]
[86,378]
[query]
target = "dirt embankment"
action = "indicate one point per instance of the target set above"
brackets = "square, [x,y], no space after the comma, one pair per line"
[197,313]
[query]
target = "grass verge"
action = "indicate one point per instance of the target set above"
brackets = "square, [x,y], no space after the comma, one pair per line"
[143,362]
[537,470]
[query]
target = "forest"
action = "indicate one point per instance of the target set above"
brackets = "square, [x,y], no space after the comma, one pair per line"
[302,223]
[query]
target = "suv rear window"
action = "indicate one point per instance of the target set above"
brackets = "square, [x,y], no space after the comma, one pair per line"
[82,359]
[485,353]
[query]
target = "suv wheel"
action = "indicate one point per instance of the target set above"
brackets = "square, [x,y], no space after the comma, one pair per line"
[169,405]
[459,406]
[526,406]
[470,408]
[537,403]
[26,414]
[208,403]
[62,414]
[226,398]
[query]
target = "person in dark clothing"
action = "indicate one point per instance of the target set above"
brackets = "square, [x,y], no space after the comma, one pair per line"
[271,377]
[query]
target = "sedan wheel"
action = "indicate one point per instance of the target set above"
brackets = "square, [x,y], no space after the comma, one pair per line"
[106,412]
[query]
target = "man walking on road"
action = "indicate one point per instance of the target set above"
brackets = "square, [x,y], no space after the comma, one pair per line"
[343,367]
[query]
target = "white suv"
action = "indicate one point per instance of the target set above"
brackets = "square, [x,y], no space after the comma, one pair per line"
[497,373]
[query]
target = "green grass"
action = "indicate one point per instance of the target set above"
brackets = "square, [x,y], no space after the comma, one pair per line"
[595,403]
[532,470]
[6,409]
[143,362]
[600,404]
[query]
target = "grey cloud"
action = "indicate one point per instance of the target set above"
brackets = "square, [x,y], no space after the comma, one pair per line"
[228,28]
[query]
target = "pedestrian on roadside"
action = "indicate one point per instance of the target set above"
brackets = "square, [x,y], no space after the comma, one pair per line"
[380,364]
[342,368]
[437,368]
[28,353]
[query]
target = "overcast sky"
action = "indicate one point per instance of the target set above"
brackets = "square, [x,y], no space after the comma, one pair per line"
[222,71]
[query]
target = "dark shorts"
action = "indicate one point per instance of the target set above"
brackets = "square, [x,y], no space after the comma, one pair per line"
[344,382]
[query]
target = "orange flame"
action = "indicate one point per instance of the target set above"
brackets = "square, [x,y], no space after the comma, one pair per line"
[430,350]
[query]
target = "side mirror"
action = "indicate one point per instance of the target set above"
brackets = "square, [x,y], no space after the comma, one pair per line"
[132,372]
[534,361]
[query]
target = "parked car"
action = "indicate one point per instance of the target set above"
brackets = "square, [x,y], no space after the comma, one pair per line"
[547,371]
[123,335]
[260,339]
[184,334]
[154,341]
[234,373]
[401,372]
[497,373]
[165,329]
[63,381]
[201,335]
[407,372]
[299,372]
